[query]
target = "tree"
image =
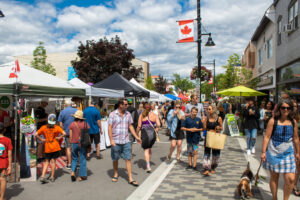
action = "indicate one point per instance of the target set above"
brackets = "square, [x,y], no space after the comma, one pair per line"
[160,85]
[149,83]
[100,59]
[183,84]
[230,76]
[39,60]
[206,89]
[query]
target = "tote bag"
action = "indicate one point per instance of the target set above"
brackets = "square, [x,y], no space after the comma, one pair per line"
[215,140]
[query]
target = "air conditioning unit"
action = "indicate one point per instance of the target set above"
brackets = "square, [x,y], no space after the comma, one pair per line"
[288,28]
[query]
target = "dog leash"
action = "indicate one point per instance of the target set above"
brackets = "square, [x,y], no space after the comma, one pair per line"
[257,174]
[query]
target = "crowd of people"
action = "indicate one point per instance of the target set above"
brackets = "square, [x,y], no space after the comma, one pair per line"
[127,125]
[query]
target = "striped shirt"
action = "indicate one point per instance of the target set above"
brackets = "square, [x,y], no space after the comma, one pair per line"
[120,126]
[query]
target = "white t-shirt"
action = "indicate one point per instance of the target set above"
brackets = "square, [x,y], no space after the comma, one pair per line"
[189,107]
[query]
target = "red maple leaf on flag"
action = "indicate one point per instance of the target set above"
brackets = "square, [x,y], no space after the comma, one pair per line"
[186,30]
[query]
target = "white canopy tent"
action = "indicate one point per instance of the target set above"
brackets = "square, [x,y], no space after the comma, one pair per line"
[96,92]
[154,96]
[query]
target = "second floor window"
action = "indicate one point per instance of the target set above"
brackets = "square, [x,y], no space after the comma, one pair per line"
[293,14]
[270,48]
[260,56]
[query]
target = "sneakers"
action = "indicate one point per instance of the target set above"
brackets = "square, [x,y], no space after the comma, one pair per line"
[253,150]
[248,152]
[68,166]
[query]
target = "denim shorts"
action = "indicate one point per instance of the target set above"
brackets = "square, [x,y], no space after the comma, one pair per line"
[121,150]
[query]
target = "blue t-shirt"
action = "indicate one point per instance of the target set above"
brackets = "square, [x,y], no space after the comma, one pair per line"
[66,118]
[192,137]
[92,115]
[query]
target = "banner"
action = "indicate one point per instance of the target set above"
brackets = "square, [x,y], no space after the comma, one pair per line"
[186,31]
[231,122]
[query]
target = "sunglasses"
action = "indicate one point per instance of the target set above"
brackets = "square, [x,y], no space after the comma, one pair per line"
[177,106]
[285,108]
[125,104]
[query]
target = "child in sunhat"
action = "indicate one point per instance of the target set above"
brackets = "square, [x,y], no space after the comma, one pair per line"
[52,134]
[5,159]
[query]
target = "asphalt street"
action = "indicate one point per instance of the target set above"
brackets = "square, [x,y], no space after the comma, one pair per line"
[99,184]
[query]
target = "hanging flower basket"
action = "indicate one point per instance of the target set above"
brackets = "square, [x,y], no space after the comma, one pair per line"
[27,125]
[205,73]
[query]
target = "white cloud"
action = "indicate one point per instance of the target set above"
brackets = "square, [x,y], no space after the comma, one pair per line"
[148,26]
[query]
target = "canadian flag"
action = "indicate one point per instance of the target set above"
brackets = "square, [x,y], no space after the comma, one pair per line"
[210,81]
[186,31]
[15,70]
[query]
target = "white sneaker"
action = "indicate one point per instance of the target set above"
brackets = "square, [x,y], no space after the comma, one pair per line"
[253,150]
[248,152]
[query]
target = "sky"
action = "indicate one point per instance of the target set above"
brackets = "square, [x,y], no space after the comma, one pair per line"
[148,26]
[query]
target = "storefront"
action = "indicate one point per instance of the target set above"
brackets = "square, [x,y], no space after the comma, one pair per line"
[267,85]
[289,80]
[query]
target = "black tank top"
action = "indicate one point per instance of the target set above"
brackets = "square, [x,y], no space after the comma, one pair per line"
[212,125]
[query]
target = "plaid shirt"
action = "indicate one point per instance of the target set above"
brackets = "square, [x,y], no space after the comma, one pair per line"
[120,126]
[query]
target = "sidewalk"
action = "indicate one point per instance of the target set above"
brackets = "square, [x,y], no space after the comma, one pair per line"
[182,184]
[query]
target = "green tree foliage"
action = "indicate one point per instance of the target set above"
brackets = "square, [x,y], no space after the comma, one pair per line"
[149,83]
[184,84]
[100,59]
[39,60]
[206,89]
[160,85]
[230,76]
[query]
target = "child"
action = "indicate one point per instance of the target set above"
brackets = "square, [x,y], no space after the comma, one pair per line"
[192,125]
[5,159]
[52,133]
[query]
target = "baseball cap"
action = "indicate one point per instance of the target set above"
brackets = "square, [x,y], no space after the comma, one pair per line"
[52,119]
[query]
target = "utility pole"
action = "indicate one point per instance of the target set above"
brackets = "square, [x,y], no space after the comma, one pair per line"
[199,41]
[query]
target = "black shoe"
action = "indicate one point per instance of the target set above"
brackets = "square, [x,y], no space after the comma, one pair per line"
[195,169]
[43,180]
[188,167]
[73,178]
[201,139]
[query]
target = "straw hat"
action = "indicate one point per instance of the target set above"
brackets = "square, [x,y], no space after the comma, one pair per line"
[78,114]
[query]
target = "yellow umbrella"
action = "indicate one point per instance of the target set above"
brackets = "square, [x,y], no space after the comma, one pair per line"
[241,91]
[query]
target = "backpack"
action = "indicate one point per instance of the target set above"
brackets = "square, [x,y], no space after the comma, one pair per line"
[85,136]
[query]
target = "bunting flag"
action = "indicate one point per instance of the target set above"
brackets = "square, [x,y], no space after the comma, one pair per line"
[210,81]
[15,70]
[186,31]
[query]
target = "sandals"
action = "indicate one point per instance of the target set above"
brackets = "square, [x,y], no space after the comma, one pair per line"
[73,178]
[115,179]
[82,178]
[134,183]
[296,192]
[206,173]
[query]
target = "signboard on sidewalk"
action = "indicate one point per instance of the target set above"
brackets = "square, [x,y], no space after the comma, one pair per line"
[230,125]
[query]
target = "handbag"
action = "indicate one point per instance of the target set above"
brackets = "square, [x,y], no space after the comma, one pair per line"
[215,140]
[157,135]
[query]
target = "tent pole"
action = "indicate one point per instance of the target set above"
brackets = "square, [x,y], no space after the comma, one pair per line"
[16,135]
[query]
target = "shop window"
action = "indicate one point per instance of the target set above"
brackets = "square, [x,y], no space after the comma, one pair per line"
[260,56]
[290,72]
[270,48]
[293,14]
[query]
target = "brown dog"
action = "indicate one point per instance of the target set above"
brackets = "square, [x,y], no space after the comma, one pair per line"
[244,188]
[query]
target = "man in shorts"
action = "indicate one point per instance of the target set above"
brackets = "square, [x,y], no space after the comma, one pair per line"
[93,118]
[192,125]
[119,122]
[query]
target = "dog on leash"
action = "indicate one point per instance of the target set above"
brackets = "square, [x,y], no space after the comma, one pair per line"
[244,187]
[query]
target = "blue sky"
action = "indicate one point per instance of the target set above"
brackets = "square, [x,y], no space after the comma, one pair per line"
[148,26]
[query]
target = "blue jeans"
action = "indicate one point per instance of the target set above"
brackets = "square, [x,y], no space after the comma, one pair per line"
[251,137]
[76,149]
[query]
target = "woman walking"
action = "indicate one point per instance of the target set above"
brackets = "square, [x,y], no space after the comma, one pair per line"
[278,152]
[75,136]
[213,123]
[175,118]
[148,124]
[268,114]
[52,134]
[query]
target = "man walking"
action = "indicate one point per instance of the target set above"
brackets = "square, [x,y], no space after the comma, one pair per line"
[65,118]
[93,118]
[119,122]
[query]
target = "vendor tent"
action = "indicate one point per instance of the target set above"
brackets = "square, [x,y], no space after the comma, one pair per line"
[33,82]
[96,92]
[118,82]
[172,97]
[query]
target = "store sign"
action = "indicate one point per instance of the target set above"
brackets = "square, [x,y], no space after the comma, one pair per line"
[5,102]
[267,81]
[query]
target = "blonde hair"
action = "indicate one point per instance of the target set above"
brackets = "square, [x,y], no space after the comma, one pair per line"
[178,102]
[214,112]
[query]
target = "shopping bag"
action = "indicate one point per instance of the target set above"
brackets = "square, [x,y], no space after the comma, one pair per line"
[215,140]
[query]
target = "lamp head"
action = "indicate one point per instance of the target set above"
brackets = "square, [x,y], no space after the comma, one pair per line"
[210,42]
[1,14]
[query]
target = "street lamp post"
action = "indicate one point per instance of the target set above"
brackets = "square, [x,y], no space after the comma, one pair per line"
[199,41]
